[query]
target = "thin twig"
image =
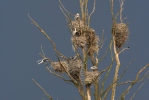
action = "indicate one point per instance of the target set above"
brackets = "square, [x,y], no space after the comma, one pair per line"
[107,74]
[58,75]
[64,8]
[121,9]
[104,53]
[111,8]
[139,80]
[68,19]
[89,17]
[42,89]
[42,31]
[134,82]
[139,88]
[73,80]
[123,50]
[126,69]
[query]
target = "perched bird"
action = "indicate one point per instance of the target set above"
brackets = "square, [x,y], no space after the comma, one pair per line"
[77,17]
[94,68]
[91,76]
[74,31]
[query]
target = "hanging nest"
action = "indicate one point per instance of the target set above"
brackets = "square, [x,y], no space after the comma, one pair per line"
[120,32]
[59,67]
[74,68]
[90,77]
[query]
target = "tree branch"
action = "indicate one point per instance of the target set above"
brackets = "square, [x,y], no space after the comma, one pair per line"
[50,98]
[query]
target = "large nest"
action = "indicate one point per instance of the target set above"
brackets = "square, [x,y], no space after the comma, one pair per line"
[83,36]
[86,39]
[59,66]
[80,41]
[120,32]
[74,67]
[90,77]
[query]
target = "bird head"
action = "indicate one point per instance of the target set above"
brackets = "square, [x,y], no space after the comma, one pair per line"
[94,68]
[77,16]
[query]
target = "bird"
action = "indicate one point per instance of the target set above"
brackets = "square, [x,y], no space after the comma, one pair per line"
[74,31]
[94,68]
[77,17]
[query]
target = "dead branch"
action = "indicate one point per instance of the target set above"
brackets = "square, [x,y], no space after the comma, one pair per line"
[89,17]
[116,70]
[126,69]
[111,8]
[105,53]
[123,50]
[68,19]
[121,9]
[73,80]
[50,98]
[64,8]
[138,90]
[103,82]
[57,75]
[43,32]
[134,82]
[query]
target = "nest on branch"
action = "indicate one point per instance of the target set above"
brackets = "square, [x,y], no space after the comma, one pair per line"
[74,67]
[93,47]
[90,77]
[59,66]
[83,36]
[120,32]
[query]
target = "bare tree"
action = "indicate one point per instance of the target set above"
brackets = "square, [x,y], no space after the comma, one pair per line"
[86,45]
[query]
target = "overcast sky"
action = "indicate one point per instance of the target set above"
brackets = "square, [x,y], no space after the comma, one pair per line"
[20,43]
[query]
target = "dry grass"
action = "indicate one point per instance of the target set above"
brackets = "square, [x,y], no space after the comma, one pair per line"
[74,67]
[58,67]
[90,77]
[120,32]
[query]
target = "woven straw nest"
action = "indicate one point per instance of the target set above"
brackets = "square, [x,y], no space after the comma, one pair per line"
[80,41]
[86,39]
[94,45]
[76,24]
[59,67]
[74,67]
[120,32]
[83,36]
[90,77]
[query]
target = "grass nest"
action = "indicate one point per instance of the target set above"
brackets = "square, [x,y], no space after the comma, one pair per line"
[83,36]
[59,67]
[90,77]
[80,41]
[120,32]
[87,39]
[74,67]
